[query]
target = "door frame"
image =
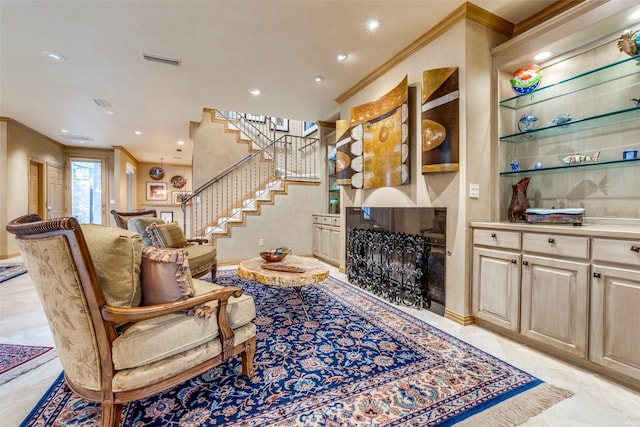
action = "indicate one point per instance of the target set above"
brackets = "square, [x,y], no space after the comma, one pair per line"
[104,190]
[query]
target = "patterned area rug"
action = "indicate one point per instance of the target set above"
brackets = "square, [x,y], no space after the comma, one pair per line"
[11,270]
[15,360]
[358,362]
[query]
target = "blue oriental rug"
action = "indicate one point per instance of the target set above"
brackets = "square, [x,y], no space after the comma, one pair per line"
[358,362]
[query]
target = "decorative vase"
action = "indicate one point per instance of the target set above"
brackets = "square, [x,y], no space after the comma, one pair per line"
[519,202]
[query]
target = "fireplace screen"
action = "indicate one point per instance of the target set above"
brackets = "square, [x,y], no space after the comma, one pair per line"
[398,254]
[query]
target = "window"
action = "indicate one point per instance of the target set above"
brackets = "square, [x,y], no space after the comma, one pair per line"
[86,190]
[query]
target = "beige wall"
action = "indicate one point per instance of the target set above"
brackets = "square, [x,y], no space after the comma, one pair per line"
[19,145]
[465,45]
[142,178]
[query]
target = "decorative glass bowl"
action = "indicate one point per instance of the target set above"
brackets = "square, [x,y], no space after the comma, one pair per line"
[526,80]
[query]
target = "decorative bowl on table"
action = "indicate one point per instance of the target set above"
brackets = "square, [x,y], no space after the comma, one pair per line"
[275,255]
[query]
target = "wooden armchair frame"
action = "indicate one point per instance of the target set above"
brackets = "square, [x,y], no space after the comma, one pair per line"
[103,320]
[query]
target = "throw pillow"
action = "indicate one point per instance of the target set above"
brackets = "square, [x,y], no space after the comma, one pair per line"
[139,224]
[167,235]
[166,278]
[116,256]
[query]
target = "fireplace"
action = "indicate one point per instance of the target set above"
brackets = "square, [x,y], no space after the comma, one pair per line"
[398,254]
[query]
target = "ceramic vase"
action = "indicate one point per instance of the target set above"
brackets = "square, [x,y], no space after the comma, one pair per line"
[519,202]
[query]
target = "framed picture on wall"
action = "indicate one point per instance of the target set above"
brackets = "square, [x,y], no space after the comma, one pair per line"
[280,124]
[256,118]
[308,128]
[166,216]
[156,191]
[179,196]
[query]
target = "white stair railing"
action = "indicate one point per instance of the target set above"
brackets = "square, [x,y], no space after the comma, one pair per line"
[226,198]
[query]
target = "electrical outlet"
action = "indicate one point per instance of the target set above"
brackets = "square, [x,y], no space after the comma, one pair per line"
[260,242]
[474,191]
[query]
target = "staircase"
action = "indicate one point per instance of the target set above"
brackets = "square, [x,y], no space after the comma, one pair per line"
[273,163]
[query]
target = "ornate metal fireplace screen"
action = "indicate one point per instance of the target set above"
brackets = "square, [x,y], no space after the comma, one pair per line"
[391,265]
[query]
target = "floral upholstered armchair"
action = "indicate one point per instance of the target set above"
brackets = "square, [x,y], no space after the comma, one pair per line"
[129,322]
[155,232]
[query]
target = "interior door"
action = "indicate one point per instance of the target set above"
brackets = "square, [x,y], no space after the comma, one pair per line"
[36,195]
[55,191]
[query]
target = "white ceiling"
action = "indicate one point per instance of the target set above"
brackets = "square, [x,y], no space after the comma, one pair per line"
[225,48]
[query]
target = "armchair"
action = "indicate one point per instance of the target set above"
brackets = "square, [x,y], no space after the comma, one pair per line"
[202,259]
[112,349]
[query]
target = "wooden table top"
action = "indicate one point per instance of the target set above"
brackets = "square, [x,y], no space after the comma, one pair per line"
[314,271]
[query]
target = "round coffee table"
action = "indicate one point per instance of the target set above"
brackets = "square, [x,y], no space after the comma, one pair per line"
[309,271]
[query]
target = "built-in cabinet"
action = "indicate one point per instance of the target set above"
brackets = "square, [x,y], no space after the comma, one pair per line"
[554,291]
[614,340]
[326,238]
[572,290]
[496,277]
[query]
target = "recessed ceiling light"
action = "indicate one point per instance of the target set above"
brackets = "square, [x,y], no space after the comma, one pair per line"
[318,79]
[64,130]
[341,57]
[373,24]
[138,132]
[180,142]
[53,56]
[542,55]
[254,91]
[110,112]
[635,15]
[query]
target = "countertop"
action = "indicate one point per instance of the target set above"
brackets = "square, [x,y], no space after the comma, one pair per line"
[623,231]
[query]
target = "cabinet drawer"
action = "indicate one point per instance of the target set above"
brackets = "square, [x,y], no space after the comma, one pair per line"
[617,251]
[326,220]
[556,244]
[317,219]
[335,222]
[497,238]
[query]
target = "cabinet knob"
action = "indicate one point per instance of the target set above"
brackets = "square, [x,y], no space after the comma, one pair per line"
[493,235]
[525,262]
[514,261]
[635,248]
[597,275]
[551,240]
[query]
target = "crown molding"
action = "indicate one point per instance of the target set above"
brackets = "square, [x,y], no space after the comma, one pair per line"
[466,11]
[16,123]
[544,15]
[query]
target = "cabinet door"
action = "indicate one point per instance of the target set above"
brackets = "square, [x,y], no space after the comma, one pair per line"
[615,319]
[496,287]
[334,252]
[317,240]
[325,243]
[554,303]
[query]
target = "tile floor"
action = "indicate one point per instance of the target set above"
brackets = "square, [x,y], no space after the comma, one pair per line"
[597,400]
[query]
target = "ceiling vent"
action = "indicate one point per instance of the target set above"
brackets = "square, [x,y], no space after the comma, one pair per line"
[77,138]
[161,59]
[102,102]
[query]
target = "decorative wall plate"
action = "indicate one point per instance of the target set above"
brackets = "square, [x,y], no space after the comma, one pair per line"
[178,181]
[156,173]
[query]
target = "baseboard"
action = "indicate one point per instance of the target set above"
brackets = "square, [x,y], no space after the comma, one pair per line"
[17,254]
[459,318]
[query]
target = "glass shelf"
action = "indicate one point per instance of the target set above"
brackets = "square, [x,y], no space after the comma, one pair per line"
[596,76]
[562,168]
[607,119]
